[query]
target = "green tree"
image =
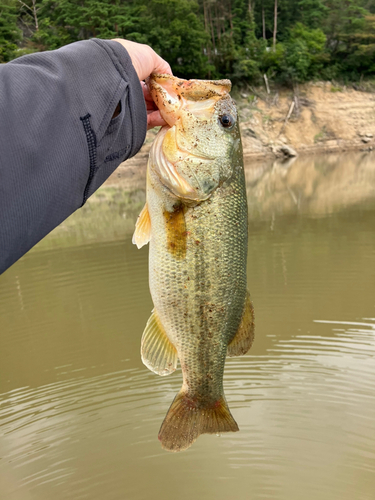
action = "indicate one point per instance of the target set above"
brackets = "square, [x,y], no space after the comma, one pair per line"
[172,27]
[345,17]
[209,38]
[360,55]
[175,30]
[9,32]
[304,53]
[300,58]
[66,21]
[249,49]
[347,34]
[311,13]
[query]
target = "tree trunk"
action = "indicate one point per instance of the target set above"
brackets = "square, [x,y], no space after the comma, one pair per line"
[275,27]
[212,29]
[264,24]
[35,10]
[205,18]
[230,19]
[217,18]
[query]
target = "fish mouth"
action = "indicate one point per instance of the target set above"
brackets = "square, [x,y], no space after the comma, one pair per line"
[183,104]
[172,95]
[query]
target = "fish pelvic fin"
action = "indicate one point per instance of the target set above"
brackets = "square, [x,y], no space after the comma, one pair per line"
[244,337]
[185,422]
[157,351]
[142,233]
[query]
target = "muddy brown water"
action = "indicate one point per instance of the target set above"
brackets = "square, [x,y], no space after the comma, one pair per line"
[79,413]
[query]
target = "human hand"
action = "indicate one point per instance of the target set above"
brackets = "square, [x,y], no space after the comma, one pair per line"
[146,61]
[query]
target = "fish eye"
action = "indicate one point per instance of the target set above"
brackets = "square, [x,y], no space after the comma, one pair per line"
[226,120]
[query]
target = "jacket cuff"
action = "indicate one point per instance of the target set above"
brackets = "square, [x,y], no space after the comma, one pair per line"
[123,63]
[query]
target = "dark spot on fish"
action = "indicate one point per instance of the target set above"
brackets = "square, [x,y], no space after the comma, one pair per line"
[176,231]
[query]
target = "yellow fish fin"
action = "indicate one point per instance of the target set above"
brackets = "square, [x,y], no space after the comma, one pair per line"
[186,420]
[158,353]
[244,337]
[142,233]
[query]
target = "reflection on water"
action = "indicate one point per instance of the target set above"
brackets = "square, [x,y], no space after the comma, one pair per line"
[79,413]
[313,184]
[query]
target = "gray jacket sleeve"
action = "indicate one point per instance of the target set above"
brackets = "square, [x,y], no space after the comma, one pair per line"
[58,141]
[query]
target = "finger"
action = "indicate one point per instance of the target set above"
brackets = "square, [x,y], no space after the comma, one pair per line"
[162,66]
[150,105]
[146,93]
[154,119]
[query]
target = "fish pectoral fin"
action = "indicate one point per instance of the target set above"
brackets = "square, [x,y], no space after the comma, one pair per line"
[142,233]
[244,337]
[157,351]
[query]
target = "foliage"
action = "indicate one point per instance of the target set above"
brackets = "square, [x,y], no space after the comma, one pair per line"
[174,29]
[209,38]
[9,32]
[304,54]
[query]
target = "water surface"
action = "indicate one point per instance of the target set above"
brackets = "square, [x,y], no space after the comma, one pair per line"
[79,413]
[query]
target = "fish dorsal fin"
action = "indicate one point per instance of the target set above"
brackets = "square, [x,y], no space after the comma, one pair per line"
[158,353]
[244,337]
[142,233]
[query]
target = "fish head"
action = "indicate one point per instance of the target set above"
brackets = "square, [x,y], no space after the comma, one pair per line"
[194,153]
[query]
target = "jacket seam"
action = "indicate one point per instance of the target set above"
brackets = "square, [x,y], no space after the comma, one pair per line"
[91,143]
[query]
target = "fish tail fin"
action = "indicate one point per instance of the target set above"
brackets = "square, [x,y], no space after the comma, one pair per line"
[185,422]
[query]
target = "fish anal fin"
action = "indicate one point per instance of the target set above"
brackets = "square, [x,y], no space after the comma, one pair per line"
[157,351]
[185,422]
[142,233]
[244,337]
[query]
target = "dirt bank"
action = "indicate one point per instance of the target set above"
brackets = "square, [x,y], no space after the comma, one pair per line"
[323,118]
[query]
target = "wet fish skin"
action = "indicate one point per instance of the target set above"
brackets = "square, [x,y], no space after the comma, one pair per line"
[198,252]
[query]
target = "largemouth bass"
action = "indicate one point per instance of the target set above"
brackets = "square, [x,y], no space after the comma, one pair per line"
[195,219]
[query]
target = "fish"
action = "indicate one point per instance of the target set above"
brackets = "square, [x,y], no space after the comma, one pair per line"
[195,221]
